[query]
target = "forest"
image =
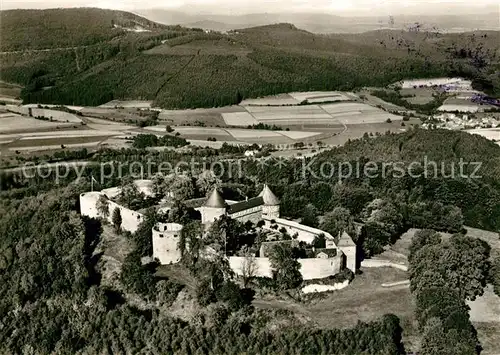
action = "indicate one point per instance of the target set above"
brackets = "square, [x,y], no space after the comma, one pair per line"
[53,299]
[184,71]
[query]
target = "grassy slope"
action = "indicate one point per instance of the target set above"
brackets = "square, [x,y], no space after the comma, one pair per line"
[215,69]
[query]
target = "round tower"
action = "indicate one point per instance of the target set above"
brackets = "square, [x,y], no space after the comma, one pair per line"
[271,207]
[214,207]
[166,238]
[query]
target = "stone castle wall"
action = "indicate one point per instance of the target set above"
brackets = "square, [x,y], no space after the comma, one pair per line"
[130,219]
[253,215]
[313,268]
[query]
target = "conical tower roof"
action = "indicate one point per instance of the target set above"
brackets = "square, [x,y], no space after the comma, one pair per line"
[215,200]
[269,198]
[345,240]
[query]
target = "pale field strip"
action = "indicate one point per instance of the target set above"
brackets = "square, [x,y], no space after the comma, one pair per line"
[298,134]
[165,113]
[488,133]
[319,96]
[459,108]
[127,104]
[51,147]
[55,115]
[105,122]
[103,127]
[201,131]
[10,100]
[21,123]
[74,108]
[59,134]
[239,119]
[156,128]
[348,107]
[463,84]
[215,145]
[306,109]
[277,100]
[252,133]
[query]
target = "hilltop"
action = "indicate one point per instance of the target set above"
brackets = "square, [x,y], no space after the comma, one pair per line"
[124,56]
[53,28]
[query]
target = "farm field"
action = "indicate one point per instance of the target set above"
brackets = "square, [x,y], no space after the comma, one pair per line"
[421,96]
[12,123]
[453,104]
[323,96]
[330,123]
[488,133]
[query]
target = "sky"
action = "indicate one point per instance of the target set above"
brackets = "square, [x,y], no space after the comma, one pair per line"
[340,7]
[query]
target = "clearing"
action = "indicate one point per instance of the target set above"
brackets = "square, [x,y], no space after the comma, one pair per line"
[363,300]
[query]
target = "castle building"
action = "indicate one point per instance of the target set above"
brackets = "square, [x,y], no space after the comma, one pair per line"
[166,238]
[253,209]
[265,207]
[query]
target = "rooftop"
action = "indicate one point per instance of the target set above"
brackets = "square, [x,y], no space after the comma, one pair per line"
[215,200]
[269,197]
[245,205]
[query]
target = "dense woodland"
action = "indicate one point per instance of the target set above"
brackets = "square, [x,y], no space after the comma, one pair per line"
[53,299]
[440,294]
[103,63]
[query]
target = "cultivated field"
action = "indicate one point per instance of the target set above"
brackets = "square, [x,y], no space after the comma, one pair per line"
[12,123]
[488,133]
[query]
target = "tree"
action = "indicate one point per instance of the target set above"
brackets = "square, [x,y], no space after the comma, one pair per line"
[117,219]
[337,221]
[206,182]
[249,266]
[437,341]
[462,262]
[286,268]
[102,206]
[181,186]
[422,238]
[495,274]
[319,241]
[310,216]
[130,195]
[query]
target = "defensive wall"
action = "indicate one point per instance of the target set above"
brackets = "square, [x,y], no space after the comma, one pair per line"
[313,268]
[130,219]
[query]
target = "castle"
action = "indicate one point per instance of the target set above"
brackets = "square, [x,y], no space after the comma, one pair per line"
[265,207]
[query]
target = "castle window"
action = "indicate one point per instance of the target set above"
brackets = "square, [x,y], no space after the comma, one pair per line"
[161,235]
[175,236]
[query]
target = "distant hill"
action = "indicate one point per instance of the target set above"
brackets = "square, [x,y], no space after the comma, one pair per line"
[40,29]
[91,56]
[487,19]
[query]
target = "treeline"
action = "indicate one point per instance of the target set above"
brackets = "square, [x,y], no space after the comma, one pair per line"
[150,140]
[440,295]
[396,98]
